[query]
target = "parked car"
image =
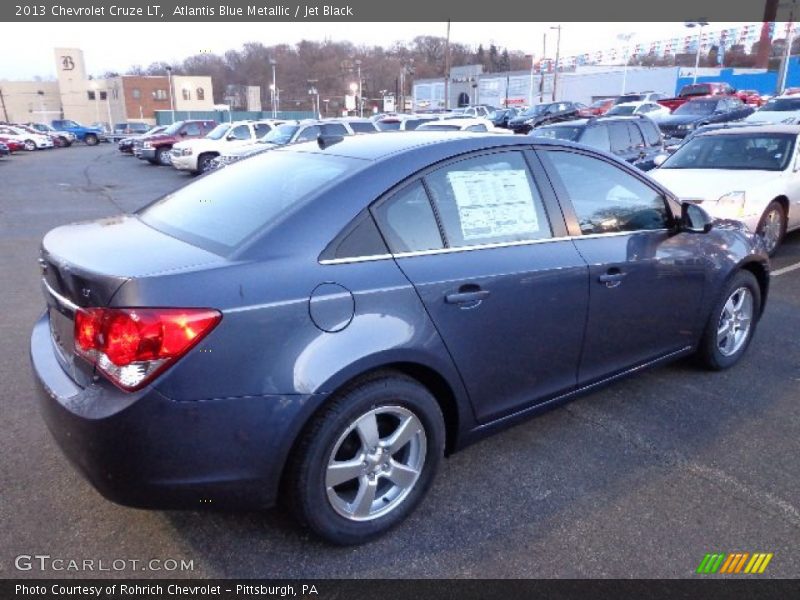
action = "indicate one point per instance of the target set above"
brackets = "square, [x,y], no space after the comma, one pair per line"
[751,97]
[4,150]
[640,97]
[501,116]
[308,320]
[406,122]
[67,137]
[476,111]
[58,141]
[597,108]
[156,148]
[283,135]
[127,129]
[91,136]
[673,143]
[12,144]
[543,114]
[476,125]
[781,109]
[357,125]
[652,110]
[697,90]
[30,141]
[195,155]
[703,111]
[636,140]
[125,145]
[746,173]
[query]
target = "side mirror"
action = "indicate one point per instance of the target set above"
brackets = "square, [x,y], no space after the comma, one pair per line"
[659,160]
[230,137]
[694,219]
[182,134]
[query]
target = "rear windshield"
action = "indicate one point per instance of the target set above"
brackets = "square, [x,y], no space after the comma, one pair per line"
[224,209]
[621,110]
[696,107]
[782,105]
[387,125]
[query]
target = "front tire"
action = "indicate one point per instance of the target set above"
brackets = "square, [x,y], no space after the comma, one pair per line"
[204,162]
[772,226]
[29,145]
[732,322]
[162,157]
[367,459]
[91,139]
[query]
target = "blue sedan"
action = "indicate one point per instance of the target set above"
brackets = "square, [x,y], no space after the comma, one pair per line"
[326,321]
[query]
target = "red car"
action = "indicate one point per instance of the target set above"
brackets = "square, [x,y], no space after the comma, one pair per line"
[13,145]
[697,90]
[597,108]
[751,97]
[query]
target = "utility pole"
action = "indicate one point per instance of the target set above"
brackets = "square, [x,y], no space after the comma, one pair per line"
[770,14]
[541,68]
[447,68]
[555,67]
[3,103]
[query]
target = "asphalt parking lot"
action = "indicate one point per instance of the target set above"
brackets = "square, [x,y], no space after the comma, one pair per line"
[640,479]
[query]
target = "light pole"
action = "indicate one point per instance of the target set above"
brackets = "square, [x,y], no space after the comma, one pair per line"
[690,25]
[312,91]
[108,108]
[787,57]
[354,89]
[274,88]
[555,68]
[541,68]
[360,99]
[171,95]
[625,37]
[96,89]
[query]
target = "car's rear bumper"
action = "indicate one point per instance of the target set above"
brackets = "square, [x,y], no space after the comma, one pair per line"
[143,449]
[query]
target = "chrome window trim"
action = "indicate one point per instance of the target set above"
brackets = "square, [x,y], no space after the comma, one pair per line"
[358,259]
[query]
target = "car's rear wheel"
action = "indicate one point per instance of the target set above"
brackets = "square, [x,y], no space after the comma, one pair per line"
[91,139]
[732,322]
[772,226]
[365,462]
[29,145]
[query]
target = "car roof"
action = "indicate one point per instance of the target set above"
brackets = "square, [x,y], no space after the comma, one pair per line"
[778,128]
[459,122]
[378,146]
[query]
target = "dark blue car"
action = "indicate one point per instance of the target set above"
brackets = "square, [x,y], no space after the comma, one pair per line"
[329,319]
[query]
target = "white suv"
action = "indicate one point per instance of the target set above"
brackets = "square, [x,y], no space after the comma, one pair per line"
[196,155]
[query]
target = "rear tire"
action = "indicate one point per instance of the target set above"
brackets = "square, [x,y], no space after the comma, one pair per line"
[387,432]
[91,139]
[772,226]
[732,323]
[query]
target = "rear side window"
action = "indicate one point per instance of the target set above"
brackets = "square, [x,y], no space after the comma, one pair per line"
[635,135]
[309,133]
[620,139]
[407,221]
[221,211]
[335,129]
[596,137]
[488,199]
[362,127]
[262,129]
[241,132]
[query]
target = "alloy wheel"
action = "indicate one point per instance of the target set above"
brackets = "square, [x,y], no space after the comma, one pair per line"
[735,321]
[375,463]
[772,229]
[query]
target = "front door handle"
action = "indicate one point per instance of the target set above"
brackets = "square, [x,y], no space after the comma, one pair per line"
[612,278]
[466,294]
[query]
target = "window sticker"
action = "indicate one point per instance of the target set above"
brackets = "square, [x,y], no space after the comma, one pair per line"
[493,203]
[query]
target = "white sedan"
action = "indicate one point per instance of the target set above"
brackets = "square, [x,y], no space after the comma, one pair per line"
[781,109]
[30,141]
[749,174]
[651,109]
[477,125]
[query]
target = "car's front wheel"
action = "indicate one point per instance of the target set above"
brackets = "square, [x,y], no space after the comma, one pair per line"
[772,226]
[91,139]
[365,462]
[29,145]
[732,322]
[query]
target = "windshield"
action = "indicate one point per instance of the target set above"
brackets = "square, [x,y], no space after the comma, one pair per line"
[173,129]
[782,105]
[696,107]
[621,110]
[227,207]
[281,135]
[535,110]
[219,131]
[746,151]
[157,129]
[558,133]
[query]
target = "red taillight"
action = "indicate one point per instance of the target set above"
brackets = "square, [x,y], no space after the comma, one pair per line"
[132,345]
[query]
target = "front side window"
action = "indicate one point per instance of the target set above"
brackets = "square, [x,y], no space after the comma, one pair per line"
[620,139]
[308,134]
[192,129]
[637,141]
[241,132]
[651,133]
[596,137]
[262,129]
[606,199]
[407,221]
[335,129]
[488,199]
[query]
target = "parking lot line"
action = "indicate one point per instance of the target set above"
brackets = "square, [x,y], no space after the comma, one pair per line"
[785,270]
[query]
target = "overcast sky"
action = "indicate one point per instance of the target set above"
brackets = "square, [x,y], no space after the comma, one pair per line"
[117,46]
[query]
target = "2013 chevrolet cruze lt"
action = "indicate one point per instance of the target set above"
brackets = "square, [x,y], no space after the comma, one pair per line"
[324,322]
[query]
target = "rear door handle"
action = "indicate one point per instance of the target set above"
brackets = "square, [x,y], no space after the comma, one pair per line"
[466,294]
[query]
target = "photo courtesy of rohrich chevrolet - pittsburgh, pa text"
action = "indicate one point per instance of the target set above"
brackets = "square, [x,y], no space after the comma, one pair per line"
[421,300]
